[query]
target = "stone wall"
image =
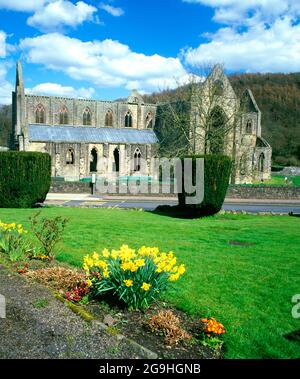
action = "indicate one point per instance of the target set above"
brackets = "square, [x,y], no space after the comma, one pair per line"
[234,191]
[70,187]
[263,192]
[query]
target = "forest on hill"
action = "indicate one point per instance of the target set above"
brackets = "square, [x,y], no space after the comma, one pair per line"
[277,95]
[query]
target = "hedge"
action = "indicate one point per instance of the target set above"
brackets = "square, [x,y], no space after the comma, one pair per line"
[217,170]
[24,178]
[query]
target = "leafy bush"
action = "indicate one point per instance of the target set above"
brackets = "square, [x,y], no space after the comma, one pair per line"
[24,178]
[14,243]
[169,324]
[217,170]
[136,278]
[48,231]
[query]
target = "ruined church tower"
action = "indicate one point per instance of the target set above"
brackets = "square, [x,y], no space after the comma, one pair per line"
[18,109]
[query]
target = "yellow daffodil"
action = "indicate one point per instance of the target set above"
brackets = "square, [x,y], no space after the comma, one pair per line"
[139,262]
[128,283]
[174,277]
[105,253]
[105,274]
[146,286]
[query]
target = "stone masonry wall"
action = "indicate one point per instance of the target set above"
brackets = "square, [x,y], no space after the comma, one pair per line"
[234,191]
[70,187]
[263,192]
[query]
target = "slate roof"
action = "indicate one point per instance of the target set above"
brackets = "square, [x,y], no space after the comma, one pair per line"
[48,133]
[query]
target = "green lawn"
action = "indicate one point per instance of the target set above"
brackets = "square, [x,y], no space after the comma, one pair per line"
[248,288]
[278,180]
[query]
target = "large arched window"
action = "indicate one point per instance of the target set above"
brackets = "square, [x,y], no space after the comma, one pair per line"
[93,160]
[40,114]
[117,160]
[128,120]
[243,165]
[249,127]
[109,119]
[261,162]
[63,116]
[149,121]
[87,117]
[137,160]
[70,157]
[216,131]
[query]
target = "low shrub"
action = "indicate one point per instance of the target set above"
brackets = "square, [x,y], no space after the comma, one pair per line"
[48,231]
[135,278]
[169,324]
[24,178]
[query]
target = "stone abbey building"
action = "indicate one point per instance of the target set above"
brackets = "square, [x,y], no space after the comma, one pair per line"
[78,133]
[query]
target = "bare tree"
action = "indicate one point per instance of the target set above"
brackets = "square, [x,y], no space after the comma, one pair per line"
[202,119]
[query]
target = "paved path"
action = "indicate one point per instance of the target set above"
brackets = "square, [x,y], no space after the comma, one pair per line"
[51,331]
[150,203]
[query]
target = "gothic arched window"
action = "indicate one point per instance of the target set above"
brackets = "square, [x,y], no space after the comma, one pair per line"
[128,120]
[63,116]
[243,165]
[87,117]
[249,127]
[149,121]
[137,160]
[261,162]
[40,114]
[109,118]
[93,160]
[70,157]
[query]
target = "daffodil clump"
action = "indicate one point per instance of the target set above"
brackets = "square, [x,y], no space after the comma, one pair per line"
[136,277]
[13,241]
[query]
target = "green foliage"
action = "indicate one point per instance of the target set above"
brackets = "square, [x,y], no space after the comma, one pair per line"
[24,178]
[135,278]
[14,243]
[217,169]
[48,231]
[214,342]
[41,303]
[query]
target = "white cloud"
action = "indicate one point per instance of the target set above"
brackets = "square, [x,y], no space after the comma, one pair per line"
[61,13]
[105,63]
[2,44]
[114,11]
[250,11]
[54,89]
[22,5]
[261,48]
[6,87]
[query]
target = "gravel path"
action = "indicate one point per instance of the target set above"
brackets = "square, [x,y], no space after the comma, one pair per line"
[39,326]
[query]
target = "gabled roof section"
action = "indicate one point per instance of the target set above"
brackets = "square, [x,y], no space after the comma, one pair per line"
[248,102]
[261,142]
[218,76]
[72,134]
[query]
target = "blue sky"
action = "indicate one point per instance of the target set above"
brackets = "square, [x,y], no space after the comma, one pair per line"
[103,49]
